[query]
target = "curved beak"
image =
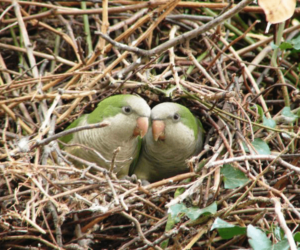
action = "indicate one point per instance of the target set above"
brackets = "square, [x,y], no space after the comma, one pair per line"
[158,130]
[141,126]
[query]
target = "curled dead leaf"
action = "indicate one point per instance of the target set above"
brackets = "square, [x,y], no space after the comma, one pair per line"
[277,11]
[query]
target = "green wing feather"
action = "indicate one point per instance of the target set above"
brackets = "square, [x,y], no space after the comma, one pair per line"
[74,124]
[188,119]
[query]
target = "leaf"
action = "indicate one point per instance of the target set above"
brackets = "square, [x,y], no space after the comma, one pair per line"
[286,112]
[297,237]
[273,45]
[233,177]
[177,209]
[290,44]
[193,212]
[258,239]
[286,45]
[269,122]
[179,191]
[227,230]
[170,224]
[282,245]
[172,221]
[260,110]
[260,146]
[296,43]
[278,232]
[277,11]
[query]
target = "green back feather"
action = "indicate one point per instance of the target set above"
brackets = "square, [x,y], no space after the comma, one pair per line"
[74,124]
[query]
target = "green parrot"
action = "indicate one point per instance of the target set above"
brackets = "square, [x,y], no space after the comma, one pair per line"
[128,116]
[176,136]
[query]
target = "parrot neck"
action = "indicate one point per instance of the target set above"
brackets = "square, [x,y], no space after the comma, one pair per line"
[178,146]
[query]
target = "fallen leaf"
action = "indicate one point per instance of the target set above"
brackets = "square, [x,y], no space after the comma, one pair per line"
[277,11]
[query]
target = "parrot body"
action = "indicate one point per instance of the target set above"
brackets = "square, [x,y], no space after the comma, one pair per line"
[128,116]
[176,135]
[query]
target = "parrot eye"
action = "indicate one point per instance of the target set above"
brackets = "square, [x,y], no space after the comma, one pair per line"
[176,117]
[127,110]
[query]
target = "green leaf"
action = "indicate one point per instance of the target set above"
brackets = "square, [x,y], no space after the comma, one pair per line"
[227,230]
[192,212]
[170,224]
[172,221]
[297,237]
[269,122]
[233,177]
[282,245]
[201,165]
[296,43]
[179,191]
[278,232]
[177,209]
[286,45]
[290,44]
[273,45]
[260,146]
[286,112]
[259,110]
[298,112]
[258,239]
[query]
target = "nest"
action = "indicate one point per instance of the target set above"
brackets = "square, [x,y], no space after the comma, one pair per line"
[60,60]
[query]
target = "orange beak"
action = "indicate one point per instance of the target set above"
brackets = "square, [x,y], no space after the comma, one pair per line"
[141,126]
[158,130]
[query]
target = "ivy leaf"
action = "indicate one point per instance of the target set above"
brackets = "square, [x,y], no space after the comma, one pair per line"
[286,112]
[260,110]
[286,45]
[258,239]
[282,245]
[171,222]
[296,43]
[278,232]
[297,237]
[269,122]
[177,209]
[227,230]
[179,191]
[192,212]
[260,146]
[233,177]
